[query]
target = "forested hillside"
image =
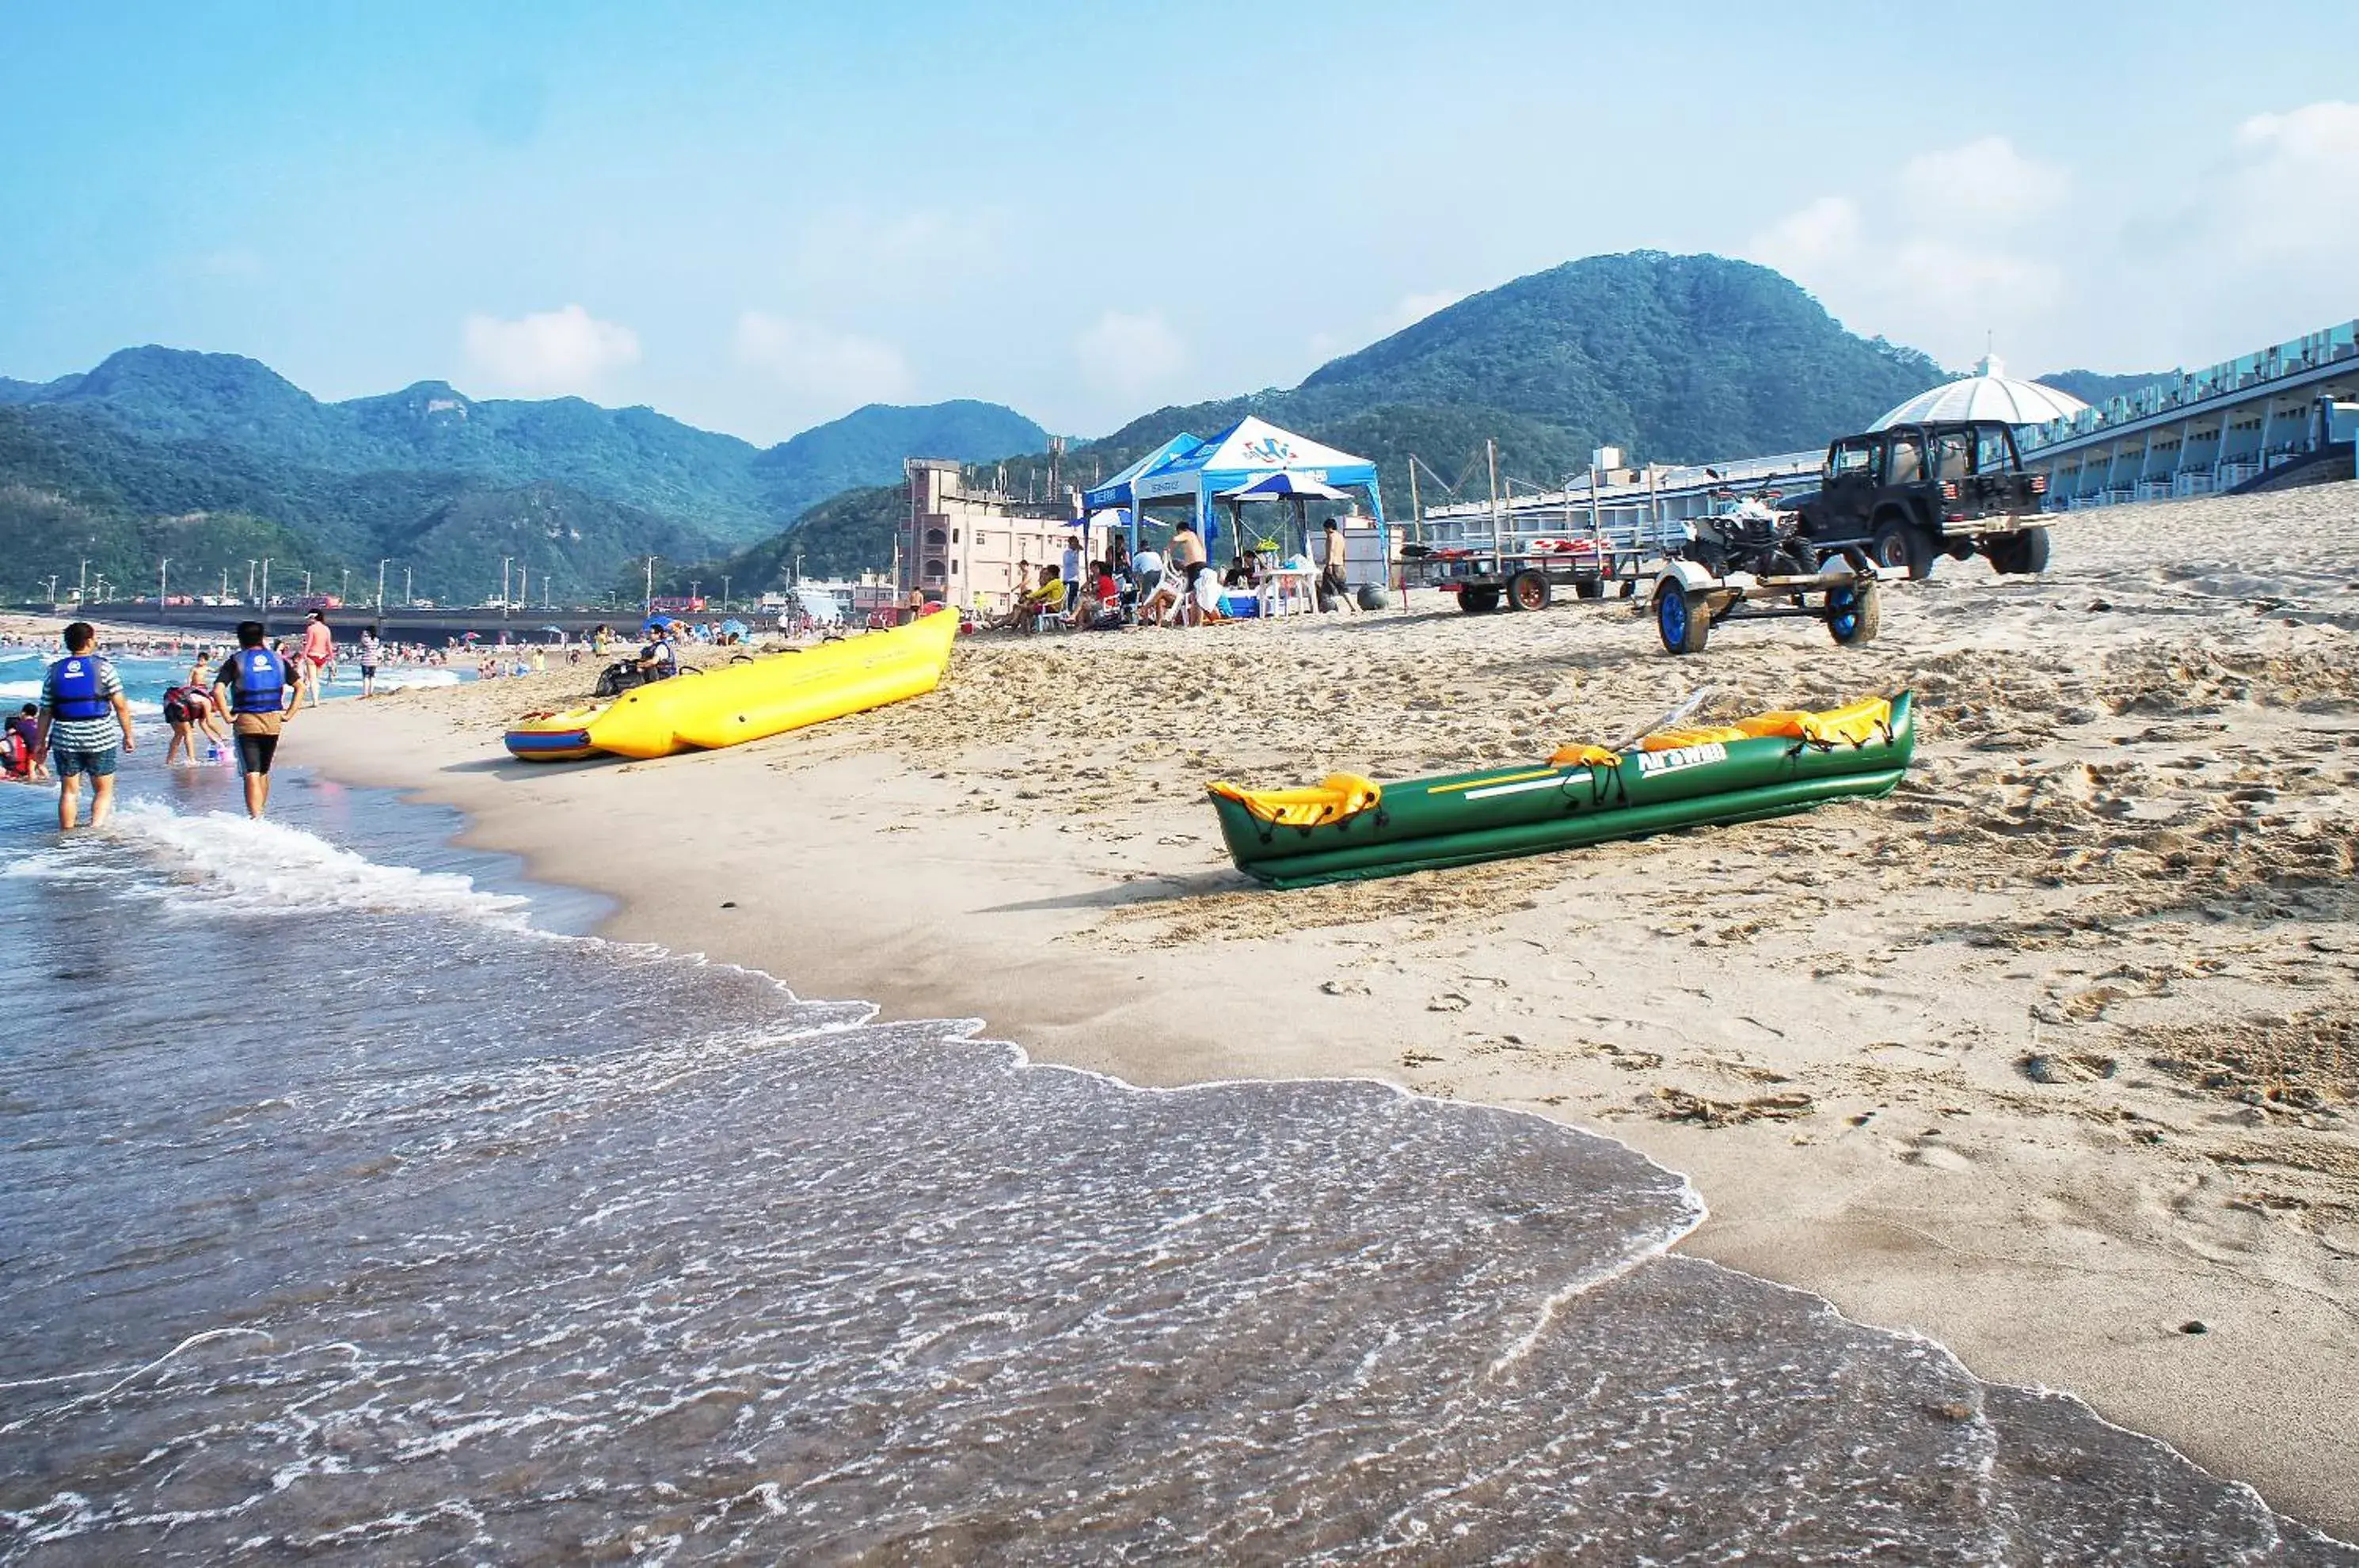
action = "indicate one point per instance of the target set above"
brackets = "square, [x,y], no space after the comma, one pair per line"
[161,443]
[1673,358]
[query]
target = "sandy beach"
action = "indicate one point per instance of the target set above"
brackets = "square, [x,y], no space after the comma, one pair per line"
[2050,1056]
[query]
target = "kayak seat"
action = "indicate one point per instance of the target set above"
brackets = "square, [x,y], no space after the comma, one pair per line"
[1582,755]
[1854,724]
[1334,797]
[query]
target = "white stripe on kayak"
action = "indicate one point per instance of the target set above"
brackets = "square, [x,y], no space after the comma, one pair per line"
[1551,782]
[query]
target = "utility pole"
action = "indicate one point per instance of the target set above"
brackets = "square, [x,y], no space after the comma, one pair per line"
[163,567]
[503,583]
[249,580]
[692,586]
[225,592]
[407,598]
[649,606]
[524,586]
[380,587]
[53,589]
[81,584]
[265,588]
[724,593]
[1491,454]
[1416,513]
[346,591]
[307,586]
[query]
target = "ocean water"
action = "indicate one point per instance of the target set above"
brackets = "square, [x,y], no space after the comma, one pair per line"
[355,1206]
[144,680]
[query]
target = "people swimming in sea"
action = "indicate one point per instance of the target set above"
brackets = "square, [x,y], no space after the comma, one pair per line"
[257,687]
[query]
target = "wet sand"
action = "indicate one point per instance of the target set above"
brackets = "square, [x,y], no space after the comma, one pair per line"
[2051,1055]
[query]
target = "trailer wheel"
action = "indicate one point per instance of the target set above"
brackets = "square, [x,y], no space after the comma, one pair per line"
[1528,590]
[1901,545]
[1854,613]
[1478,601]
[1589,588]
[2024,552]
[1681,618]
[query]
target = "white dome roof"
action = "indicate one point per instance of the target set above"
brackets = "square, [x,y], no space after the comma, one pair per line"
[1987,394]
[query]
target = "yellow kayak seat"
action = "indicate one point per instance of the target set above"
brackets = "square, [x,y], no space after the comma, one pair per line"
[1854,724]
[1581,755]
[1333,799]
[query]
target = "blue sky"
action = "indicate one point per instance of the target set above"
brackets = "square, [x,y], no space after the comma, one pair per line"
[757,217]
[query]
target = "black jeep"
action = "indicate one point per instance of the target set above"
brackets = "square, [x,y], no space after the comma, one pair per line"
[1910,494]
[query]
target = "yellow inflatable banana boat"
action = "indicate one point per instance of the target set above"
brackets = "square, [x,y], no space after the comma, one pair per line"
[734,703]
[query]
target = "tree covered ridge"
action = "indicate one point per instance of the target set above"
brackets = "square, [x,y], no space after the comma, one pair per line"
[1672,358]
[447,483]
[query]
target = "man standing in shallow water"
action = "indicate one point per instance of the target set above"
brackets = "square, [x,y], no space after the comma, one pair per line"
[85,719]
[259,692]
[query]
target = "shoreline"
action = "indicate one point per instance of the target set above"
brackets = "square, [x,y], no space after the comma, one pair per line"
[1825,1022]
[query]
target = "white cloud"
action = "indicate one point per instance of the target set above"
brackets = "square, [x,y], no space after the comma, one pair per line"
[1984,185]
[823,366]
[1934,258]
[2287,191]
[1825,231]
[1129,354]
[550,351]
[1411,309]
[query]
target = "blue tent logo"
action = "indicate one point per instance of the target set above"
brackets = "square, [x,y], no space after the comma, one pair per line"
[1269,449]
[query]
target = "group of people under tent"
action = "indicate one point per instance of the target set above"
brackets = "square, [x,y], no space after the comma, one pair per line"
[1175,586]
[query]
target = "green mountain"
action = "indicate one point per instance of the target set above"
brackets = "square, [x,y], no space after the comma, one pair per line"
[76,488]
[443,484]
[2093,387]
[870,442]
[1672,358]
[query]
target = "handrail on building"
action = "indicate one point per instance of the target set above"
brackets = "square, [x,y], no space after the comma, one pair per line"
[2193,389]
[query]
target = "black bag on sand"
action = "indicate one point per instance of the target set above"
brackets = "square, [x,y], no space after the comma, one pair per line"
[617,678]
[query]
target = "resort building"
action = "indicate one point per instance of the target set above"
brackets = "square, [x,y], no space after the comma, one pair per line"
[2277,417]
[962,545]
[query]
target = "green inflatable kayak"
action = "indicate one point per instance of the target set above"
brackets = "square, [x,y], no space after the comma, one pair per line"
[1349,827]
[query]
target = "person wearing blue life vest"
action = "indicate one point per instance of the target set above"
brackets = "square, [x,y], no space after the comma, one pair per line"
[85,720]
[256,689]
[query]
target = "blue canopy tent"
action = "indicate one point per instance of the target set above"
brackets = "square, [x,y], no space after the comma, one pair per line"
[1242,456]
[1115,491]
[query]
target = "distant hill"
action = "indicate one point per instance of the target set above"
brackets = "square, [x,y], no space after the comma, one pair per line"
[2093,387]
[869,444]
[445,482]
[1672,358]
[75,487]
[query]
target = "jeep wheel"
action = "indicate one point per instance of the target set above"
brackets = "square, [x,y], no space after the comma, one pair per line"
[1901,545]
[1478,601]
[1681,618]
[1528,590]
[1854,614]
[2024,552]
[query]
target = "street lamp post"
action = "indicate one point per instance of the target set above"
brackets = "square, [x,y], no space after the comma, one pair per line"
[406,596]
[163,567]
[380,587]
[724,594]
[505,562]
[53,589]
[249,580]
[346,591]
[81,584]
[265,590]
[649,607]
